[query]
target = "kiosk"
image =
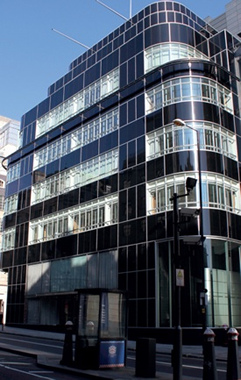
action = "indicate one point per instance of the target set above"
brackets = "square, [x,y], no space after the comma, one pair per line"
[101,329]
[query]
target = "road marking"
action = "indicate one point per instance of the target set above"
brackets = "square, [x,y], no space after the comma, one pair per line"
[33,372]
[15,363]
[26,373]
[25,341]
[184,365]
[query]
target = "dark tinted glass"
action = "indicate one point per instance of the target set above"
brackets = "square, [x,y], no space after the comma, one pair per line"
[122,260]
[141,150]
[23,215]
[7,259]
[156,34]
[231,168]
[109,142]
[183,34]
[33,253]
[36,211]
[123,157]
[179,162]
[107,237]
[156,227]
[131,207]
[52,168]
[74,86]
[10,220]
[43,107]
[25,181]
[234,226]
[132,131]
[110,62]
[122,206]
[141,257]
[50,206]
[68,200]
[170,16]
[48,250]
[131,153]
[56,98]
[92,74]
[70,160]
[88,192]
[87,241]
[67,246]
[141,200]
[131,70]
[107,185]
[155,168]
[214,162]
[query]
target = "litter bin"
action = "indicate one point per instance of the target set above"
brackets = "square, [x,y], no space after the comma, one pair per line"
[101,329]
[146,357]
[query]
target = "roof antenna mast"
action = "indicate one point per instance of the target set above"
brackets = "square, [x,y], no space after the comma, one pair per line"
[130,8]
[72,39]
[104,5]
[114,11]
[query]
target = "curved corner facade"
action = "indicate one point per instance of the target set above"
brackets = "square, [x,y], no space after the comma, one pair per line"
[89,191]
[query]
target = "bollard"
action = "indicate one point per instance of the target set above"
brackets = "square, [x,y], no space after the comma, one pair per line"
[209,363]
[67,357]
[146,357]
[233,368]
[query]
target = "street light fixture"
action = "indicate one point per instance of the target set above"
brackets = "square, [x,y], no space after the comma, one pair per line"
[190,184]
[4,164]
[179,282]
[181,123]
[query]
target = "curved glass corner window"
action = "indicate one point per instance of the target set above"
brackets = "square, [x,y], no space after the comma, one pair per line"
[86,134]
[188,89]
[161,191]
[79,102]
[13,172]
[80,175]
[170,139]
[11,204]
[217,192]
[95,214]
[8,239]
[221,192]
[162,53]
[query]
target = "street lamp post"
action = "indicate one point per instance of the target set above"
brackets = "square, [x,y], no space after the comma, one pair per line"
[177,347]
[179,282]
[181,123]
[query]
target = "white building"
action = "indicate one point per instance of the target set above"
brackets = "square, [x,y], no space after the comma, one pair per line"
[230,19]
[9,142]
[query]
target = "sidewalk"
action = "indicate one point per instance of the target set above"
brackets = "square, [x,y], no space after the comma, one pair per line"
[52,361]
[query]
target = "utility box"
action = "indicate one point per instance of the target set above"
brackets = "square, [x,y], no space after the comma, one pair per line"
[101,329]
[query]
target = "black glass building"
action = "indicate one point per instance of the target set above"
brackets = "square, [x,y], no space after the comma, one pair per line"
[88,195]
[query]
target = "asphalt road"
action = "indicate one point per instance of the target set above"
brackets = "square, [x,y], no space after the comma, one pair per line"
[18,367]
[192,367]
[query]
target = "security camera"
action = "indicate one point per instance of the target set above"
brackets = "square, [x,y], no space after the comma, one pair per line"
[190,183]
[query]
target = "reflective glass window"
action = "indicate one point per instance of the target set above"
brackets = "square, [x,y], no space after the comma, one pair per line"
[77,103]
[92,215]
[189,88]
[160,54]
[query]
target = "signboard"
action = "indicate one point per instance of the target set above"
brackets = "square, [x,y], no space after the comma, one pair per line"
[179,277]
[112,354]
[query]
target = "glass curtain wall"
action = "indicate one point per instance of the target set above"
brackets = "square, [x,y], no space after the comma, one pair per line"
[222,281]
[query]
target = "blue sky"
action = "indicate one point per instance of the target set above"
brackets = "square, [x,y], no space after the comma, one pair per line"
[33,56]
